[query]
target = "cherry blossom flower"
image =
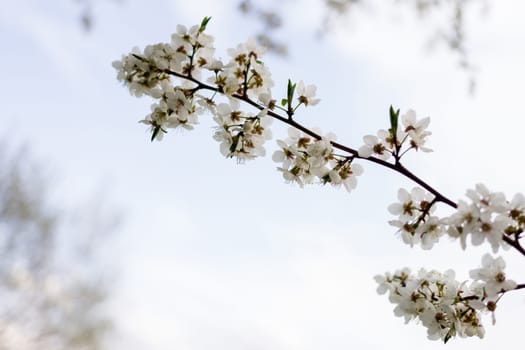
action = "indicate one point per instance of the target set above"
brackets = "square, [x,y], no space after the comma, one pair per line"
[487,201]
[493,275]
[415,222]
[376,146]
[196,48]
[305,159]
[138,73]
[306,94]
[245,73]
[241,135]
[444,306]
[415,130]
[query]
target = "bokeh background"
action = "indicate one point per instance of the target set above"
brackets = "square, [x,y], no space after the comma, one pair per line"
[212,254]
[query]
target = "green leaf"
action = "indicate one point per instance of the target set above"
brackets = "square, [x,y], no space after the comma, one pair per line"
[284,102]
[447,337]
[204,23]
[155,133]
[233,146]
[291,90]
[394,118]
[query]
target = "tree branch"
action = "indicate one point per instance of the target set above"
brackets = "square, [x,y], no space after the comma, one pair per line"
[397,167]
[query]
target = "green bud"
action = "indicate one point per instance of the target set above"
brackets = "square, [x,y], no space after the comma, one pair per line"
[291,90]
[204,23]
[394,118]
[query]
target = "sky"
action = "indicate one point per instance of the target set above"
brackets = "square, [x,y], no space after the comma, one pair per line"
[212,253]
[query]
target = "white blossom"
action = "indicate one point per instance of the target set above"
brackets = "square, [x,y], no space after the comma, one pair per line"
[415,130]
[493,275]
[305,158]
[138,73]
[376,146]
[306,94]
[196,48]
[487,218]
[492,202]
[241,135]
[444,306]
[415,223]
[245,73]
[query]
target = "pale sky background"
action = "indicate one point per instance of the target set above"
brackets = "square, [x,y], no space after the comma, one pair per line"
[215,255]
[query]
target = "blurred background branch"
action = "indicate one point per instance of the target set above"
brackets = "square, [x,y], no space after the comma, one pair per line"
[449,31]
[51,294]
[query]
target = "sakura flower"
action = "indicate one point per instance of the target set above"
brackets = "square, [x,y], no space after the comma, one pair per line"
[320,152]
[245,73]
[376,146]
[439,322]
[306,94]
[411,204]
[138,73]
[196,47]
[415,130]
[174,110]
[487,218]
[492,274]
[463,222]
[298,164]
[491,230]
[414,223]
[305,159]
[430,232]
[241,135]
[442,305]
[163,56]
[515,214]
[492,202]
[346,175]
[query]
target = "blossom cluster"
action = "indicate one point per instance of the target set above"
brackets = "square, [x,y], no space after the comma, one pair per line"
[171,73]
[175,108]
[245,73]
[415,222]
[189,51]
[446,307]
[436,299]
[153,72]
[488,216]
[390,142]
[241,135]
[305,159]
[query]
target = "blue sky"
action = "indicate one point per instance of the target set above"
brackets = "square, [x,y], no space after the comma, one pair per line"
[216,254]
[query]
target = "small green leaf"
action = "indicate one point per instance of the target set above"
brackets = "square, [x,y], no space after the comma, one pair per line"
[394,118]
[233,146]
[155,132]
[138,57]
[284,102]
[204,23]
[291,90]
[447,337]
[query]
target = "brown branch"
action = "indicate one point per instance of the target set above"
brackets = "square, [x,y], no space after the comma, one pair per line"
[515,244]
[398,167]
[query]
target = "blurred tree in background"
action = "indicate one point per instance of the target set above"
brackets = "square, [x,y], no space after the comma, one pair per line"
[50,295]
[447,25]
